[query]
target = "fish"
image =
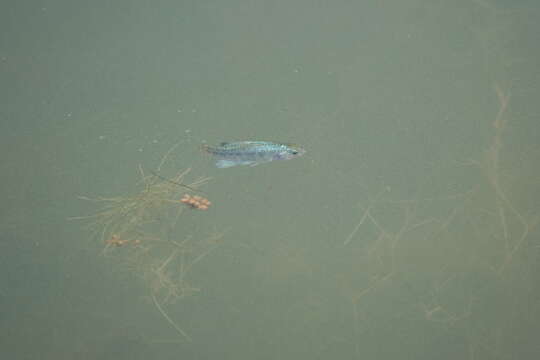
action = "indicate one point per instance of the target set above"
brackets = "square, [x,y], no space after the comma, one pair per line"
[229,154]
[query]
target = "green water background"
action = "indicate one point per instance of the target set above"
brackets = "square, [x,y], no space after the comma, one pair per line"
[395,103]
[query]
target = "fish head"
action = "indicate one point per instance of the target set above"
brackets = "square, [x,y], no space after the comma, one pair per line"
[291,151]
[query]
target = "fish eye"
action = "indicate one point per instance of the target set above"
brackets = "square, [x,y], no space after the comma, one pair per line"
[294,152]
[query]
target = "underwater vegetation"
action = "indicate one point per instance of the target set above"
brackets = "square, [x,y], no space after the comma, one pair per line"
[142,233]
[466,263]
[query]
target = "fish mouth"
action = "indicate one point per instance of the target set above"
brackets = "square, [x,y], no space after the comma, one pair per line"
[295,150]
[299,151]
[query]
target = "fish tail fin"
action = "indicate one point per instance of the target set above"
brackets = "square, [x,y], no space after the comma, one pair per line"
[205,148]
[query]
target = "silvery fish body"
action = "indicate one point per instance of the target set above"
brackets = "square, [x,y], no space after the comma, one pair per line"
[252,152]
